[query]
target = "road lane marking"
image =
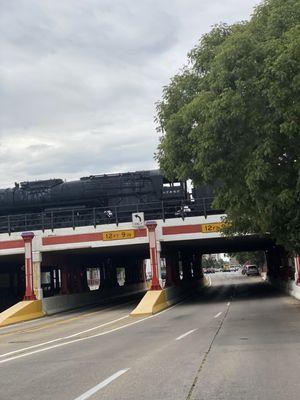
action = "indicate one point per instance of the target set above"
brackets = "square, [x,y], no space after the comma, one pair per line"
[185,334]
[57,321]
[217,315]
[61,338]
[101,385]
[78,340]
[228,304]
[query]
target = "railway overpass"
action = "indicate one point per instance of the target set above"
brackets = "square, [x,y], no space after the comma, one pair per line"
[51,265]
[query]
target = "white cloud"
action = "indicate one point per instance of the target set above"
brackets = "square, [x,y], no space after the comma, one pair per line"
[79,80]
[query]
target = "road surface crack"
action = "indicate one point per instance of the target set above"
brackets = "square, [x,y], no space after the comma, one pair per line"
[189,396]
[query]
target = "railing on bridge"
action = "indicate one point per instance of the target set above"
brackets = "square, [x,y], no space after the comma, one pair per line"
[76,217]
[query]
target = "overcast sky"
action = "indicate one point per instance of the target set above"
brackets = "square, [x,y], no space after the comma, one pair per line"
[80,78]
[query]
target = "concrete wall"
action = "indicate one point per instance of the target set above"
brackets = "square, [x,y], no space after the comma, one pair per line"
[288,287]
[155,301]
[56,304]
[174,294]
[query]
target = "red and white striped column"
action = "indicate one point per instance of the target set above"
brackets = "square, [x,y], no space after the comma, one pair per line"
[151,226]
[297,270]
[29,293]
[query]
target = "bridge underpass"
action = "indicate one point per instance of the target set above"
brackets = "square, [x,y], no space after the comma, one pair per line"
[236,325]
[60,259]
[106,259]
[187,251]
[115,271]
[64,272]
[12,280]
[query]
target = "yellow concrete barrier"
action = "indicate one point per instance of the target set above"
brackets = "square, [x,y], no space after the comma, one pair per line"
[206,282]
[153,302]
[22,311]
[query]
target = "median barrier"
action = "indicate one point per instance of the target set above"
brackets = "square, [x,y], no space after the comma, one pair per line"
[155,301]
[22,311]
[66,302]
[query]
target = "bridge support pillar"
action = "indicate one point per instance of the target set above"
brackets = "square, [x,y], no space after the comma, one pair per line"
[64,289]
[172,269]
[128,275]
[176,270]
[140,271]
[73,279]
[111,278]
[29,293]
[197,266]
[135,271]
[37,282]
[284,264]
[273,262]
[278,263]
[154,257]
[83,277]
[187,266]
[79,283]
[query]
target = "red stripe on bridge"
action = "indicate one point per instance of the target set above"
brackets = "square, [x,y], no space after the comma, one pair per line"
[11,244]
[175,230]
[83,238]
[66,239]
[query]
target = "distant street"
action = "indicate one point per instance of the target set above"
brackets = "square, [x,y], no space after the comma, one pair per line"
[238,340]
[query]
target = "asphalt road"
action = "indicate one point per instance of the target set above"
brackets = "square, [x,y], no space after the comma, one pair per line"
[239,339]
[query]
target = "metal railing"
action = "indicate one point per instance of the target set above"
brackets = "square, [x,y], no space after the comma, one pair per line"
[77,217]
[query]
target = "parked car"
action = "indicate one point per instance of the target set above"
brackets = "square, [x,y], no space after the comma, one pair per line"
[252,270]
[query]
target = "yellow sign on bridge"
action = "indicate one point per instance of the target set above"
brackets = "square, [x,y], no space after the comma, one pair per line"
[119,235]
[213,227]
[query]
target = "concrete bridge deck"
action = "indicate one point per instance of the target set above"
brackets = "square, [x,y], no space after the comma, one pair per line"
[64,255]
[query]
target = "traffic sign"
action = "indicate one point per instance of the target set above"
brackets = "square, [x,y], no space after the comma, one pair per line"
[138,219]
[118,235]
[212,227]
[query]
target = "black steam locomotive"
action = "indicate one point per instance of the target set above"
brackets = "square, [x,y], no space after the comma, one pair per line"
[93,191]
[96,199]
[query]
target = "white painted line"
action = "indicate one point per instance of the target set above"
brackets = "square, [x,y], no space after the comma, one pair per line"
[101,385]
[77,340]
[217,315]
[228,304]
[61,338]
[185,334]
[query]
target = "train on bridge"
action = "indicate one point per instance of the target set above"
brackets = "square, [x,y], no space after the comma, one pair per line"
[99,199]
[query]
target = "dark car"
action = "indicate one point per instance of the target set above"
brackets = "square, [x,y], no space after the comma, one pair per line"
[252,270]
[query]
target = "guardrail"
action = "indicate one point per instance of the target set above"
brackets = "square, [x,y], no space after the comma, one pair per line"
[76,217]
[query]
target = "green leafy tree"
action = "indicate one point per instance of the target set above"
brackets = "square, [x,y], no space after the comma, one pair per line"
[232,116]
[209,262]
[254,257]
